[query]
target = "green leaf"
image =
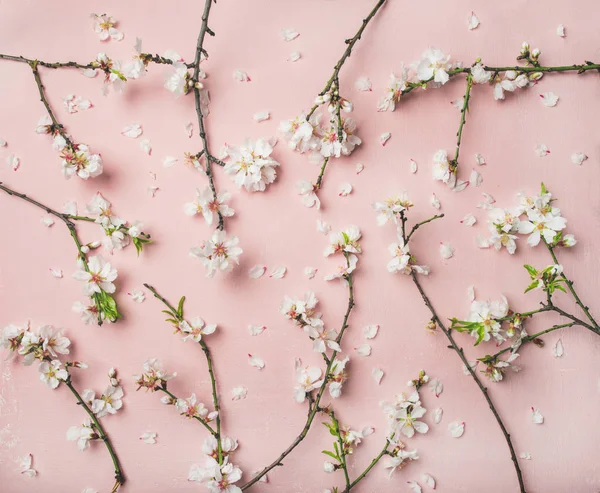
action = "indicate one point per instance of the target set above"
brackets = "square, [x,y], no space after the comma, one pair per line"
[532,270]
[533,285]
[330,454]
[180,306]
[544,189]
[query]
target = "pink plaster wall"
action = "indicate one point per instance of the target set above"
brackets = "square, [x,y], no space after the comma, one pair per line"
[274,228]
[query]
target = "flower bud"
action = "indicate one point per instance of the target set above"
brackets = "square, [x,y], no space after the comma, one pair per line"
[328,467]
[112,373]
[568,241]
[114,382]
[85,249]
[510,75]
[525,48]
[199,85]
[167,400]
[535,53]
[536,76]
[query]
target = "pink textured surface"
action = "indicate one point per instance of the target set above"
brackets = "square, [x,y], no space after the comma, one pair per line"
[274,228]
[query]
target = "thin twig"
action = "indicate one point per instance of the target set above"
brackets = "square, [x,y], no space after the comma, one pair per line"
[197,418]
[209,158]
[313,402]
[383,452]
[119,477]
[213,380]
[418,225]
[530,338]
[53,65]
[459,350]
[343,464]
[463,119]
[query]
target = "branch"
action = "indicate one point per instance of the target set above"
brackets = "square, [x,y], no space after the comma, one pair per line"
[178,314]
[81,255]
[313,403]
[53,65]
[210,159]
[343,464]
[463,120]
[197,418]
[459,351]
[119,478]
[418,225]
[383,452]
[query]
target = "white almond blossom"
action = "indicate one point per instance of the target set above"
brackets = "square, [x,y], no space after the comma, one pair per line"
[219,253]
[98,276]
[403,415]
[337,376]
[104,26]
[82,434]
[391,207]
[302,134]
[344,241]
[207,205]
[323,338]
[193,408]
[195,329]
[348,266]
[442,168]
[394,90]
[251,165]
[109,403]
[302,311]
[52,373]
[308,192]
[77,160]
[434,64]
[308,378]
[331,146]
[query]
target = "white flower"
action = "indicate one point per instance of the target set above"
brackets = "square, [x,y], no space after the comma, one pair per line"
[176,80]
[337,377]
[52,373]
[207,205]
[322,338]
[154,376]
[192,408]
[542,225]
[104,26]
[53,341]
[549,99]
[508,83]
[308,192]
[403,415]
[390,207]
[308,378]
[402,260]
[442,169]
[347,267]
[222,478]
[331,146]
[218,253]
[88,312]
[495,370]
[487,313]
[300,133]
[251,165]
[344,241]
[109,403]
[82,434]
[195,329]
[98,277]
[480,75]
[434,64]
[77,160]
[302,311]
[400,459]
[394,91]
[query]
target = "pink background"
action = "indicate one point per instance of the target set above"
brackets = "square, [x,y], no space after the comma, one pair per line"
[274,228]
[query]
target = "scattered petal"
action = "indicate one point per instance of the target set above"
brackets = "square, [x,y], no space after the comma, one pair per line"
[458,103]
[578,158]
[437,415]
[146,146]
[70,208]
[428,480]
[239,393]
[74,104]
[2,143]
[377,375]
[148,437]
[414,486]
[446,250]
[384,137]
[278,272]
[256,330]
[256,362]
[434,201]
[476,178]
[359,168]
[468,220]
[345,189]
[363,84]
[363,350]
[488,200]
[26,466]
[557,350]
[460,185]
[257,271]
[294,56]
[436,386]
[536,416]
[473,21]
[560,31]
[413,166]
[525,455]
[367,430]
[479,159]
[549,99]
[542,150]
[152,191]
[47,221]
[189,129]
[370,331]
[13,161]
[132,131]
[456,429]
[241,76]
[137,295]
[482,242]
[261,116]
[289,34]
[58,273]
[169,161]
[323,227]
[471,293]
[310,272]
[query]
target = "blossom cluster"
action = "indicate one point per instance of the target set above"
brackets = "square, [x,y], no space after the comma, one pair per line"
[542,222]
[218,477]
[218,253]
[251,165]
[346,440]
[395,209]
